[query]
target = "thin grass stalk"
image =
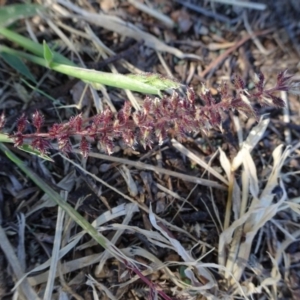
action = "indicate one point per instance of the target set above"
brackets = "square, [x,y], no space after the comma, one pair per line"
[33,47]
[14,263]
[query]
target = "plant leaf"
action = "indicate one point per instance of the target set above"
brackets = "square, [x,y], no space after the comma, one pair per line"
[16,63]
[111,79]
[29,149]
[11,13]
[48,55]
[33,47]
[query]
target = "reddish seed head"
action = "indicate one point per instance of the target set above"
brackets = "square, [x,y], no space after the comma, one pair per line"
[239,83]
[75,123]
[55,130]
[174,114]
[37,120]
[40,144]
[21,124]
[64,144]
[18,139]
[84,147]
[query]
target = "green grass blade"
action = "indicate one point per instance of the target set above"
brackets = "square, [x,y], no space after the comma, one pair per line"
[32,46]
[16,63]
[48,55]
[37,90]
[144,83]
[26,148]
[110,79]
[29,149]
[11,13]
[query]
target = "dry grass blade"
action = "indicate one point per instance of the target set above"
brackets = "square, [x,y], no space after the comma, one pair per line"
[200,162]
[154,13]
[141,206]
[233,200]
[74,265]
[123,28]
[101,287]
[214,64]
[21,244]
[260,211]
[131,210]
[131,185]
[210,280]
[144,166]
[9,253]
[55,254]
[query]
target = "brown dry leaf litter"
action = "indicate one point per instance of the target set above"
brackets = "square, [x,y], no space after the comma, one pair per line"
[212,217]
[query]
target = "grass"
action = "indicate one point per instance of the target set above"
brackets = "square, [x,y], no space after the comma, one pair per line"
[202,217]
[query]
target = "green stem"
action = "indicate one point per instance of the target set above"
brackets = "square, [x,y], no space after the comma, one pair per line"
[115,80]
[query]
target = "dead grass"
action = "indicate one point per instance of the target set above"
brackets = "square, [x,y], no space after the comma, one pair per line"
[213,217]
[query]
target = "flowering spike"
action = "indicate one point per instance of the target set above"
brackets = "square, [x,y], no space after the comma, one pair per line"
[121,117]
[223,90]
[18,139]
[174,100]
[37,120]
[55,130]
[139,117]
[206,96]
[21,123]
[128,137]
[157,118]
[64,144]
[84,147]
[243,107]
[40,144]
[239,83]
[108,145]
[76,122]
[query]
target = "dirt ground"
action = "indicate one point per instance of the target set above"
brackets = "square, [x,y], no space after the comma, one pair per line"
[237,239]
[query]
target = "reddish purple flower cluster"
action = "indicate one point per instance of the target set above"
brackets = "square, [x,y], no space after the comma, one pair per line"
[154,121]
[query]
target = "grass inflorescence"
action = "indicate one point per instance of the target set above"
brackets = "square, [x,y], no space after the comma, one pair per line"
[159,117]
